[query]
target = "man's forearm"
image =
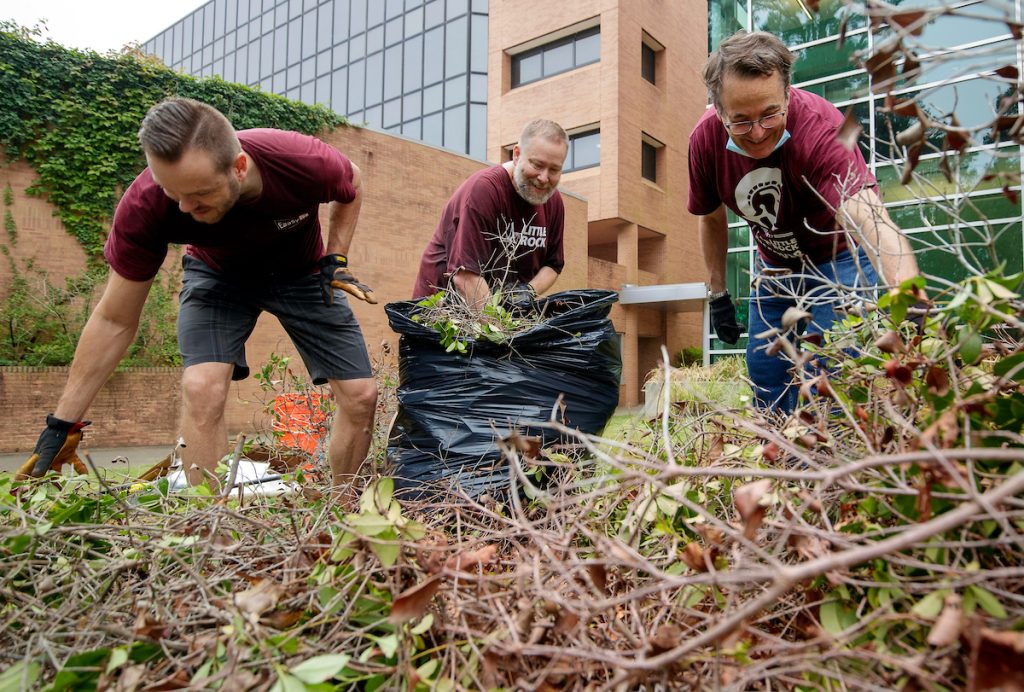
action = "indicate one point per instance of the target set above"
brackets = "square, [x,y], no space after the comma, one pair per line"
[886,246]
[341,225]
[544,280]
[100,348]
[714,242]
[473,289]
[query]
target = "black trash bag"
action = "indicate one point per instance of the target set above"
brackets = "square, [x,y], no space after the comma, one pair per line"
[453,408]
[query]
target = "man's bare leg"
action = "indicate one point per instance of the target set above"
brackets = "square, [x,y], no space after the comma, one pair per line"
[352,429]
[204,395]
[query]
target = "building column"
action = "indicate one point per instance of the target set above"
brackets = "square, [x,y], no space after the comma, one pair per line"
[627,255]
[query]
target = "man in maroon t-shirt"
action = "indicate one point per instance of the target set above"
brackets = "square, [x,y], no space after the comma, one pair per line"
[502,229]
[770,154]
[246,204]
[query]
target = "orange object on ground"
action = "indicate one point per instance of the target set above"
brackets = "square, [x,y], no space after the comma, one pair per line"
[301,419]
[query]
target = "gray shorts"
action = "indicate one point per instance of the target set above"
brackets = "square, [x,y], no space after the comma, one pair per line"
[218,315]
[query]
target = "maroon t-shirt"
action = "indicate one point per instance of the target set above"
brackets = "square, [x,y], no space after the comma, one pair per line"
[776,195]
[277,233]
[485,205]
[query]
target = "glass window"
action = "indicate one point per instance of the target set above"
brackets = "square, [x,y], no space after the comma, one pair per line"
[409,4]
[433,129]
[266,56]
[725,18]
[255,28]
[411,105]
[480,6]
[455,91]
[433,49]
[241,63]
[176,42]
[478,88]
[294,76]
[268,21]
[974,173]
[229,42]
[394,8]
[649,162]
[393,32]
[372,117]
[412,129]
[374,39]
[254,62]
[558,59]
[243,11]
[306,4]
[457,8]
[955,254]
[414,22]
[357,20]
[356,76]
[738,284]
[375,13]
[218,17]
[788,19]
[842,89]
[392,112]
[478,131]
[280,54]
[323,90]
[323,28]
[526,69]
[207,55]
[187,48]
[279,83]
[826,59]
[340,20]
[647,62]
[243,35]
[968,61]
[559,56]
[307,93]
[281,14]
[588,47]
[339,90]
[433,98]
[231,14]
[455,128]
[293,94]
[218,68]
[584,151]
[308,69]
[255,8]
[340,55]
[323,63]
[413,72]
[229,68]
[357,47]
[478,44]
[434,15]
[294,8]
[208,23]
[455,47]
[374,79]
[393,72]
[309,34]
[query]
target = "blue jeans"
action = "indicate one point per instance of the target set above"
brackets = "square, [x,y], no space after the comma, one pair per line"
[816,289]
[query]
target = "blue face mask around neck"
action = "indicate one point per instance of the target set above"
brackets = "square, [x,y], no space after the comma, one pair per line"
[732,146]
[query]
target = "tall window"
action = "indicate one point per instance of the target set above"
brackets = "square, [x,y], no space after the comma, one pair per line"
[649,50]
[650,149]
[561,55]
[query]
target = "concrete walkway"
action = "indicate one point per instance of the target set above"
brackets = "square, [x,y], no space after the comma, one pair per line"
[104,457]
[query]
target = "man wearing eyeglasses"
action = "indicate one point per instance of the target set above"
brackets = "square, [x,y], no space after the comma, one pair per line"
[769,153]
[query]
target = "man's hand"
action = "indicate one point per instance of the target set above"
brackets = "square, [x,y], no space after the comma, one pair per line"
[519,298]
[334,273]
[56,446]
[723,319]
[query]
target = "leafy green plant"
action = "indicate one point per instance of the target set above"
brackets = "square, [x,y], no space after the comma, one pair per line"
[460,326]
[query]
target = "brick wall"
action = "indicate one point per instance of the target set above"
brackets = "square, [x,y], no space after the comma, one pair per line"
[138,406]
[405,185]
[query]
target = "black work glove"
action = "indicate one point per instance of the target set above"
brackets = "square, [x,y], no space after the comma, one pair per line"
[723,319]
[519,298]
[334,273]
[56,446]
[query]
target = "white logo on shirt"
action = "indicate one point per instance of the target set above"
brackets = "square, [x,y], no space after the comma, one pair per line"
[534,236]
[285,224]
[759,198]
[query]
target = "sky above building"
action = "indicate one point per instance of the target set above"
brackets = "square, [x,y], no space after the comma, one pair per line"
[99,25]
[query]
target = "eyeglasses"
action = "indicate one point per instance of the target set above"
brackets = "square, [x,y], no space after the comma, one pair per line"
[766,123]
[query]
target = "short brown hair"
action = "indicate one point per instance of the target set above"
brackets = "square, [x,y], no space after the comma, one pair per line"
[175,125]
[754,54]
[548,129]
